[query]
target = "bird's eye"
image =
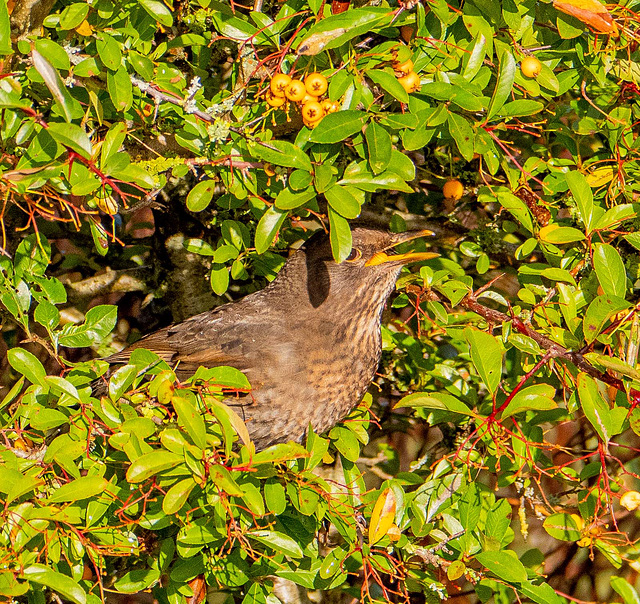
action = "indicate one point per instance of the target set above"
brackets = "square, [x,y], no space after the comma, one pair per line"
[355,254]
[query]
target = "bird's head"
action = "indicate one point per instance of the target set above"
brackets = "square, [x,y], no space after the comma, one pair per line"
[370,270]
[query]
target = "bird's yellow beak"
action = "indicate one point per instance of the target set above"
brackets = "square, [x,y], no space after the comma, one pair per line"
[382,257]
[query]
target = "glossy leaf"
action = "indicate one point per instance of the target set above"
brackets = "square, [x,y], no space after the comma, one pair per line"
[378,147]
[610,270]
[268,228]
[58,582]
[338,126]
[486,355]
[340,235]
[201,195]
[504,84]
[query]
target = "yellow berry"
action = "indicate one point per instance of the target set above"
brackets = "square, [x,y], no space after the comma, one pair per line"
[410,82]
[316,84]
[530,67]
[279,83]
[312,111]
[295,91]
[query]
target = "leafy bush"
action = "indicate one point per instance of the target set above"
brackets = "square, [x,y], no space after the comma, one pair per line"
[508,403]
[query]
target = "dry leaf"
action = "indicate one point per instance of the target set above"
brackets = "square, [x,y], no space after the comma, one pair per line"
[383,515]
[591,12]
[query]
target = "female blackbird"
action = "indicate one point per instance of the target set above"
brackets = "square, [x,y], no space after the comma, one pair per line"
[309,342]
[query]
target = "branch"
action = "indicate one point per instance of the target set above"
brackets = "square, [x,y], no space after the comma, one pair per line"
[553,350]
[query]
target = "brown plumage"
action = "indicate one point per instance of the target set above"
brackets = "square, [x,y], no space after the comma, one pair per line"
[309,342]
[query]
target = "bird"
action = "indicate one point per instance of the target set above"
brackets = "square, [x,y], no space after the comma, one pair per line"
[309,343]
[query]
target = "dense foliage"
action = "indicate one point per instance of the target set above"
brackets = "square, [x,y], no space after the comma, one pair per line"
[148,160]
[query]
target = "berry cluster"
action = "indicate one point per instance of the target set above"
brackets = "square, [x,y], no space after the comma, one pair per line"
[307,94]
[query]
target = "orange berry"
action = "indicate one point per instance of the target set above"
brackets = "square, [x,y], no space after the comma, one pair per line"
[273,100]
[312,111]
[530,67]
[330,106]
[316,84]
[279,83]
[295,91]
[411,82]
[310,125]
[403,69]
[453,189]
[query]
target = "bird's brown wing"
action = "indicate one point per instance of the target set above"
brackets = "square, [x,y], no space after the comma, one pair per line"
[223,336]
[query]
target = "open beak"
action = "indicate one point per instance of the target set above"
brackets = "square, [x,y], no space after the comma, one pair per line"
[382,257]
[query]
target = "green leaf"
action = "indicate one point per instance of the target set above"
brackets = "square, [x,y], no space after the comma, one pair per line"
[121,380]
[622,587]
[150,464]
[73,15]
[282,153]
[343,202]
[389,83]
[333,31]
[610,270]
[582,195]
[504,565]
[613,364]
[541,594]
[27,364]
[68,106]
[190,419]
[109,51]
[476,59]
[289,200]
[201,195]
[562,526]
[444,91]
[504,84]
[62,584]
[340,236]
[280,453]
[274,496]
[158,11]
[220,476]
[177,496]
[598,313]
[521,107]
[378,147]
[120,88]
[434,400]
[605,421]
[486,354]
[5,30]
[84,487]
[538,397]
[462,134]
[558,234]
[517,208]
[268,228]
[219,279]
[280,542]
[617,214]
[338,126]
[402,165]
[72,136]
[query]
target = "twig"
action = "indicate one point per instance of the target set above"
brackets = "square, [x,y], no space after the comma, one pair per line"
[553,350]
